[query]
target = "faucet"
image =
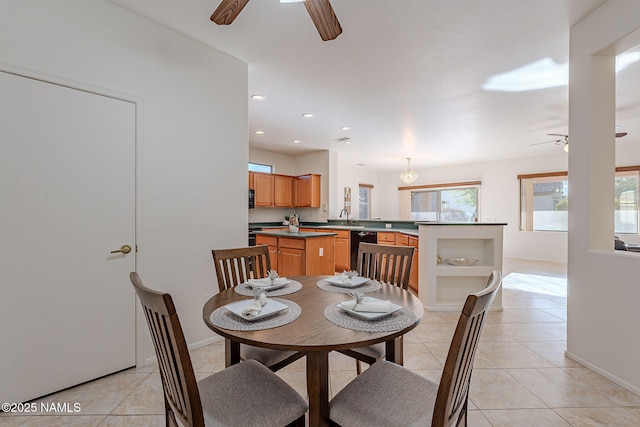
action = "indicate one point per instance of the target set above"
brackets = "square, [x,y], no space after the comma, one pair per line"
[349,222]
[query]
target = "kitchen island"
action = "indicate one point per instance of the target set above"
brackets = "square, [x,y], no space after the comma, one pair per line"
[301,253]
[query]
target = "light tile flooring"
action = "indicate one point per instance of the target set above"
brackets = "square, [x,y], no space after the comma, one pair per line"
[521,376]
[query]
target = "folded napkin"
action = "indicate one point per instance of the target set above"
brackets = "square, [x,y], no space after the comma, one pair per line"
[256,306]
[266,282]
[377,306]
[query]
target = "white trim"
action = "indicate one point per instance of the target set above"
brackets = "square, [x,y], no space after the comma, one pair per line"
[212,340]
[607,375]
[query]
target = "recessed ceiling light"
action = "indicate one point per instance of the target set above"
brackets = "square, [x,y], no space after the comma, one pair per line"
[347,141]
[258,97]
[296,141]
[345,128]
[259,132]
[308,115]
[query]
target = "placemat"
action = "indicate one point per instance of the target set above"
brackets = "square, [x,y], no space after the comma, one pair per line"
[223,318]
[293,286]
[370,286]
[393,322]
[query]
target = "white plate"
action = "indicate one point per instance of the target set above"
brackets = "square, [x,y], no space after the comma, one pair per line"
[365,315]
[270,308]
[266,284]
[461,261]
[355,281]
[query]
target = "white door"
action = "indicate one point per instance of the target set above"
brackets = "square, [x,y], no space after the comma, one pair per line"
[67,189]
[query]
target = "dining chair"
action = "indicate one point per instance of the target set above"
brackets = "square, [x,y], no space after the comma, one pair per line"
[387,264]
[389,394]
[234,267]
[244,394]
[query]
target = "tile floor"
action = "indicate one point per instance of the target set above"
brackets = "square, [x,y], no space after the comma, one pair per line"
[521,377]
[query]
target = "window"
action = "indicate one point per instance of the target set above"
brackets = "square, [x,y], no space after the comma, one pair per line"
[257,167]
[445,204]
[364,201]
[544,201]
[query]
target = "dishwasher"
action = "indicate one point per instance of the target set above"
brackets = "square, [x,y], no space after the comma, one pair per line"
[358,236]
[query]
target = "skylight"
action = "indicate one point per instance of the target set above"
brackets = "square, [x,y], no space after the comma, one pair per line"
[544,73]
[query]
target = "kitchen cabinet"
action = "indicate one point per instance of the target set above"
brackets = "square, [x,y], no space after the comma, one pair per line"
[285,191]
[445,287]
[282,191]
[415,263]
[263,186]
[307,191]
[299,256]
[343,248]
[387,238]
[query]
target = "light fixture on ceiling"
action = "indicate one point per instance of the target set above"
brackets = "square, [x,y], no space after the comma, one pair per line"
[258,97]
[296,141]
[259,132]
[566,147]
[345,128]
[409,175]
[308,115]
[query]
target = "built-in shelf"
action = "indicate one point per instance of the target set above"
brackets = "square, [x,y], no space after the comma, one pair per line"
[445,287]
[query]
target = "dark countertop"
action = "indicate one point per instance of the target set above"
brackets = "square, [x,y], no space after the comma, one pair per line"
[461,223]
[298,235]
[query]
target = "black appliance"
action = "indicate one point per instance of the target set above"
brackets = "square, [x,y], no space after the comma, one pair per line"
[252,198]
[358,236]
[252,234]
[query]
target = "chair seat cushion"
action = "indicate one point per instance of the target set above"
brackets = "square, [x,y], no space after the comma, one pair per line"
[249,394]
[385,395]
[266,356]
[377,351]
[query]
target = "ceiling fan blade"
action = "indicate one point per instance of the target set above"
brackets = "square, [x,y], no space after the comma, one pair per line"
[324,18]
[558,134]
[228,11]
[620,134]
[557,141]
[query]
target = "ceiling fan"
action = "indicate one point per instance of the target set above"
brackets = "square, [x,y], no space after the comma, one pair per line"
[321,13]
[565,139]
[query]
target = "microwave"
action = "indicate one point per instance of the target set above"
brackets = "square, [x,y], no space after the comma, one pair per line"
[252,199]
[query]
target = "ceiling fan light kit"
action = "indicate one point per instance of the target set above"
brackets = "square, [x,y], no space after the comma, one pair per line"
[320,11]
[409,175]
[565,140]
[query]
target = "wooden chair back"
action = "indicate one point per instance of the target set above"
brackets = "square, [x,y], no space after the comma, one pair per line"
[453,392]
[236,266]
[388,264]
[181,396]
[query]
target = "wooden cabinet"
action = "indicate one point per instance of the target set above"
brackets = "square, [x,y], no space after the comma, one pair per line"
[273,249]
[307,191]
[292,256]
[413,277]
[282,191]
[343,250]
[386,238]
[263,186]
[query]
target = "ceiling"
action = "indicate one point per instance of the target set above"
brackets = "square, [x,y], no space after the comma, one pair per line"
[407,76]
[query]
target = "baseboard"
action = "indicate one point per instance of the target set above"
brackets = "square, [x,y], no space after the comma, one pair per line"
[607,375]
[193,346]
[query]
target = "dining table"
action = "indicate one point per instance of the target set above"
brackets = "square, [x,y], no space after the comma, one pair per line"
[313,333]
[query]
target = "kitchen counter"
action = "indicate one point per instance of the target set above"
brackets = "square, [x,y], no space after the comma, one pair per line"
[411,232]
[298,235]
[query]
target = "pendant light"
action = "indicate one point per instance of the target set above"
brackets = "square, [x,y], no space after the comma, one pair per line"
[409,175]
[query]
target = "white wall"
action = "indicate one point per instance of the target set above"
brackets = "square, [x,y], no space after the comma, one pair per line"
[604,293]
[193,137]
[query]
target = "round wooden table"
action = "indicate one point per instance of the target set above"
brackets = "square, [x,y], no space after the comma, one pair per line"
[314,334]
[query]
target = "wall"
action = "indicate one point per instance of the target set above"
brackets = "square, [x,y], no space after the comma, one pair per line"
[192,150]
[604,295]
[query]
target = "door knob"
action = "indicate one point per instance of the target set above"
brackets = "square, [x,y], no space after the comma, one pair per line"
[125,249]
